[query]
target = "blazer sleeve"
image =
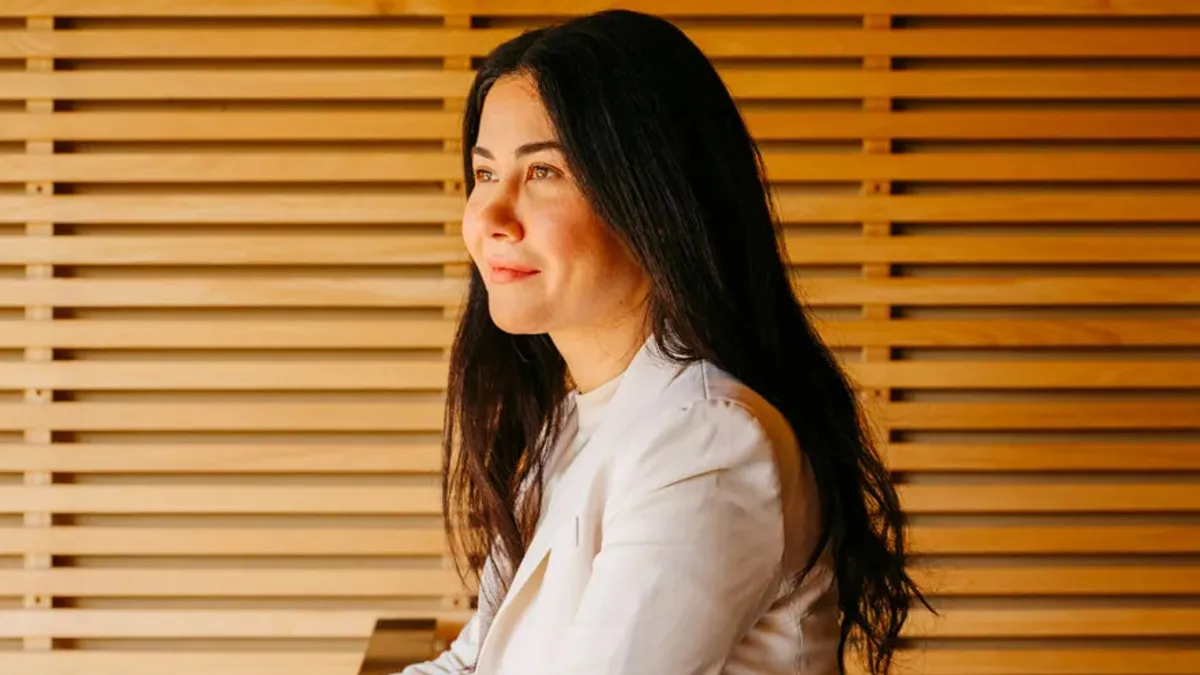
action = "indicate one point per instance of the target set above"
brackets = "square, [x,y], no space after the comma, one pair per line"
[691,550]
[463,653]
[457,659]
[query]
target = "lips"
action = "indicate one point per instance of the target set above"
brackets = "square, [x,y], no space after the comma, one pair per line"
[506,272]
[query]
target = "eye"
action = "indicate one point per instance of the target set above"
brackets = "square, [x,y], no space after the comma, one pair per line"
[541,171]
[482,175]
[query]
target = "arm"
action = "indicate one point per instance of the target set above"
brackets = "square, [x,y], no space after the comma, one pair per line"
[458,659]
[691,553]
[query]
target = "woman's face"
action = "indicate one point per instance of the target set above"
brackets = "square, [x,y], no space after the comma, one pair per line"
[549,262]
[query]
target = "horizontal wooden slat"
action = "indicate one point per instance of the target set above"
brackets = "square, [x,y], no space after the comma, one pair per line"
[428,166]
[432,250]
[1069,539]
[407,333]
[1073,207]
[215,541]
[208,623]
[329,623]
[210,458]
[299,375]
[1063,456]
[269,458]
[259,43]
[966,661]
[1065,660]
[962,250]
[1052,498]
[1045,415]
[1121,41]
[430,208]
[283,249]
[221,499]
[1058,580]
[1095,622]
[743,83]
[1069,332]
[299,84]
[975,124]
[1082,291]
[752,84]
[765,125]
[432,375]
[271,292]
[241,168]
[179,125]
[155,416]
[968,167]
[241,583]
[382,42]
[157,661]
[541,8]
[246,334]
[1105,375]
[448,292]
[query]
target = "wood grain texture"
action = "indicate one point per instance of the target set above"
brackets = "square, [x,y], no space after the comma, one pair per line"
[230,272]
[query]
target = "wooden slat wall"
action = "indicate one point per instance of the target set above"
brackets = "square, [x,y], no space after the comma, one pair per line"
[229,269]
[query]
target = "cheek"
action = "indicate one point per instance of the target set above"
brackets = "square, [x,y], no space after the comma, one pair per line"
[471,232]
[592,257]
[573,242]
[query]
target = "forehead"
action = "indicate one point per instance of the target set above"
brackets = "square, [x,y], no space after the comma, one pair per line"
[513,114]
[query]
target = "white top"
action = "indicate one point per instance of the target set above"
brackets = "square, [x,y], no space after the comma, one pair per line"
[586,413]
[669,547]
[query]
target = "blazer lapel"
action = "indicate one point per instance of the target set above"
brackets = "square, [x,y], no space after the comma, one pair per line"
[648,374]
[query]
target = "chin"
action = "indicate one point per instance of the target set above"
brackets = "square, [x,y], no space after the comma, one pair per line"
[517,323]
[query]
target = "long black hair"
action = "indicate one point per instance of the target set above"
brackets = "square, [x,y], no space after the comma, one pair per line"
[661,152]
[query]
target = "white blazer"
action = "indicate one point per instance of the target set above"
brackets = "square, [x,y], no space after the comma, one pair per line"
[668,543]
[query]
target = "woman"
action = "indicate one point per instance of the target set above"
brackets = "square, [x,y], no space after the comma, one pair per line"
[654,466]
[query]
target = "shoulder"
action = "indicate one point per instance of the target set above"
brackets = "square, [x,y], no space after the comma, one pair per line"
[706,420]
[708,396]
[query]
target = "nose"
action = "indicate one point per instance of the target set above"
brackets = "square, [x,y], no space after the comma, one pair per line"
[499,218]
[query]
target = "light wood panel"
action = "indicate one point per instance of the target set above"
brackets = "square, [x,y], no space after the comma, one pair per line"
[413,334]
[1062,540]
[416,166]
[230,268]
[1056,416]
[200,623]
[278,375]
[244,583]
[1079,497]
[302,125]
[745,84]
[153,663]
[1110,206]
[408,292]
[724,42]
[280,417]
[196,458]
[219,499]
[1081,456]
[375,8]
[224,542]
[1059,623]
[1061,580]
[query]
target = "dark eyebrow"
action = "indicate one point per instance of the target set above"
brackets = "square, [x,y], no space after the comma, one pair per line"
[530,148]
[527,149]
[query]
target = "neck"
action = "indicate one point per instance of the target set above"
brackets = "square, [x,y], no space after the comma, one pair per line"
[595,356]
